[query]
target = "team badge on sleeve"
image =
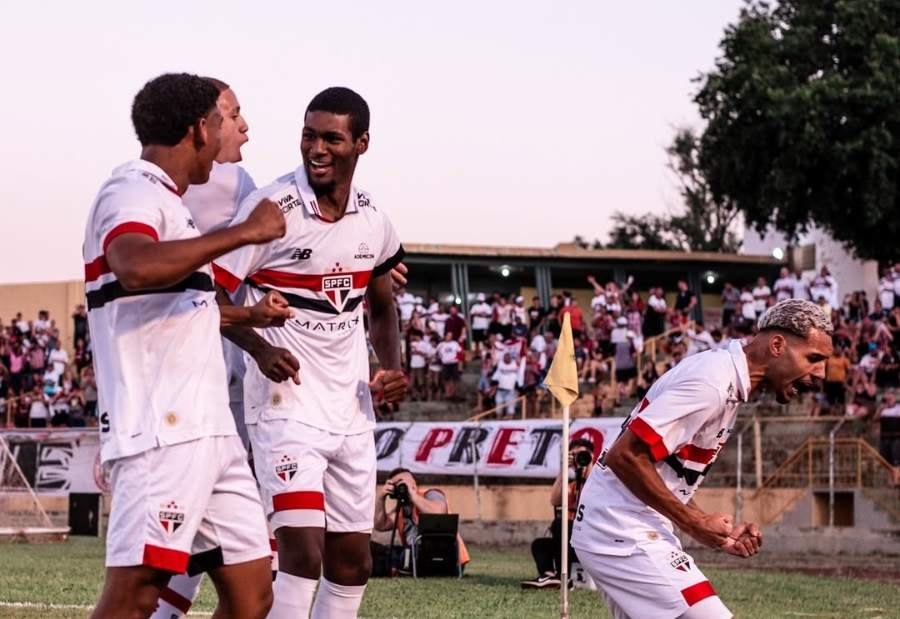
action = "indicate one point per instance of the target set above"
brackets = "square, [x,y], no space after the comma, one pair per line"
[680,561]
[286,468]
[171,517]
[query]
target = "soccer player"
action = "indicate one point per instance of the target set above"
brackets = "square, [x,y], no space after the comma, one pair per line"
[179,473]
[312,442]
[644,484]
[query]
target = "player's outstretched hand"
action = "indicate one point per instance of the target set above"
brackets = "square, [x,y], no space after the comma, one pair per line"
[271,311]
[744,540]
[278,364]
[392,382]
[711,529]
[265,223]
[398,276]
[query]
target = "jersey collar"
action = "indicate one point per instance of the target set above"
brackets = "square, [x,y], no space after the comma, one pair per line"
[151,169]
[308,196]
[740,365]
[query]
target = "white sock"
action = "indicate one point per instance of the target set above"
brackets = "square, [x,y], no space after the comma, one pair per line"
[293,596]
[176,599]
[337,601]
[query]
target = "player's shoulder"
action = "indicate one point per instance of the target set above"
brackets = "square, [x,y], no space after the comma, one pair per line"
[130,185]
[713,368]
[282,191]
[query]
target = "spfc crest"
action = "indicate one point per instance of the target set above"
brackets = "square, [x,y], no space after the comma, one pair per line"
[680,561]
[286,468]
[337,288]
[171,517]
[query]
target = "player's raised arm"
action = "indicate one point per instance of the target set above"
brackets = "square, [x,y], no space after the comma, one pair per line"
[632,462]
[141,262]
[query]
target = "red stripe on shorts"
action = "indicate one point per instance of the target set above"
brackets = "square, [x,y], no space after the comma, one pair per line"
[698,592]
[643,431]
[697,454]
[305,499]
[165,559]
[273,545]
[176,600]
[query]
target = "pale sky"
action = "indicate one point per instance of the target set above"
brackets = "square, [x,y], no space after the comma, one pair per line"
[497,123]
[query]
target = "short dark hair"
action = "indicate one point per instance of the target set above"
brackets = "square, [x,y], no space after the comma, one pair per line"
[168,105]
[343,101]
[219,84]
[399,470]
[581,442]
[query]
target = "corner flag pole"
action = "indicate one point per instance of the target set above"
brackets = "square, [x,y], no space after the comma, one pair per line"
[562,381]
[564,471]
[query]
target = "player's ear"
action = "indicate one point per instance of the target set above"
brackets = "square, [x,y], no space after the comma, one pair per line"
[362,143]
[199,133]
[777,345]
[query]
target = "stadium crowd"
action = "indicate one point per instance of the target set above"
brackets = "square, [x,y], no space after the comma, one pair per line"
[40,384]
[513,341]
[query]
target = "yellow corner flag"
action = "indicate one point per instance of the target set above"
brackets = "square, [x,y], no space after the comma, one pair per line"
[562,378]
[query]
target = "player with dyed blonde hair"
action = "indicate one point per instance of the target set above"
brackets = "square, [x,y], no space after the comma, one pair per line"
[644,484]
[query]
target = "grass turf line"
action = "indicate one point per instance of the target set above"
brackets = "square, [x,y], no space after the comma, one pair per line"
[71,573]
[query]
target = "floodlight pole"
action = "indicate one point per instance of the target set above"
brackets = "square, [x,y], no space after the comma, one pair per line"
[564,474]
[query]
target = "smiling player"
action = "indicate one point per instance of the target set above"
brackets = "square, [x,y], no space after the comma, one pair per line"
[312,439]
[644,485]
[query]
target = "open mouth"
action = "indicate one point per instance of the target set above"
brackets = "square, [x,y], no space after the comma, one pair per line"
[319,167]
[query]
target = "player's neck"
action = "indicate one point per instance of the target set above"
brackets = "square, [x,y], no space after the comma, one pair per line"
[756,364]
[169,160]
[333,201]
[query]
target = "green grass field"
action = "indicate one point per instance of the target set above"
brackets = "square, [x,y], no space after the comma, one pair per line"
[62,580]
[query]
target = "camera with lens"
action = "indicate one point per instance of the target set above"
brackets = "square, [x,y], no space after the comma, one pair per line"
[582,459]
[400,493]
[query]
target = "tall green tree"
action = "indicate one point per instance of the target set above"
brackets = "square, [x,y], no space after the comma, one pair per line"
[802,119]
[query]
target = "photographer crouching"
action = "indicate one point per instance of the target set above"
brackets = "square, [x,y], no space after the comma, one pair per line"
[547,551]
[403,522]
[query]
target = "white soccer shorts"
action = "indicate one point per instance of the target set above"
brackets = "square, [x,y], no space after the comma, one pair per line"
[312,478]
[177,500]
[658,580]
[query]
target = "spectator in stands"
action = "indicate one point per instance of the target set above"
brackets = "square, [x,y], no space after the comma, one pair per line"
[420,350]
[456,325]
[503,317]
[837,371]
[506,376]
[406,304]
[655,318]
[889,421]
[547,551]
[731,300]
[449,352]
[784,285]
[79,324]
[480,314]
[748,305]
[685,301]
[536,315]
[38,408]
[575,316]
[761,295]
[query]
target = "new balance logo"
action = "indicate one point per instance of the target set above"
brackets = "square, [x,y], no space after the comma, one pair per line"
[301,254]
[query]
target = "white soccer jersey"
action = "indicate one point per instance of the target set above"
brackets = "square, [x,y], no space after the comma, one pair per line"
[160,373]
[212,206]
[685,420]
[323,269]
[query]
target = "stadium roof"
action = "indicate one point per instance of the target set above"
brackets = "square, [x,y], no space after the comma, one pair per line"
[572,251]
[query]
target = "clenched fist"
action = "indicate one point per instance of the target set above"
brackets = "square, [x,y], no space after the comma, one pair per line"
[711,529]
[744,540]
[392,382]
[271,311]
[265,223]
[278,364]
